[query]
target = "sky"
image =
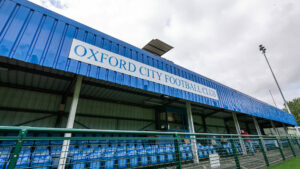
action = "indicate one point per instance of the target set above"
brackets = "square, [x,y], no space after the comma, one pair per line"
[216,38]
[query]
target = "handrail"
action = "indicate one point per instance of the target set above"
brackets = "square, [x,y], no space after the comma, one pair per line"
[65,130]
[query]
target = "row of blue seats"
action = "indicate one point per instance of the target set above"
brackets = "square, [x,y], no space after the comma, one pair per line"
[107,155]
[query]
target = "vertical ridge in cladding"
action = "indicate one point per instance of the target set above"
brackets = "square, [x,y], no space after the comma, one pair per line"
[62,60]
[60,46]
[48,42]
[42,39]
[21,33]
[71,64]
[11,8]
[54,46]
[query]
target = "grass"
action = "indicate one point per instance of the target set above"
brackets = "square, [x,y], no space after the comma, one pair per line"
[289,164]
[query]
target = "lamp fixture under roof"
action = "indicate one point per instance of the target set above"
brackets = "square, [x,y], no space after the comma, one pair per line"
[157,47]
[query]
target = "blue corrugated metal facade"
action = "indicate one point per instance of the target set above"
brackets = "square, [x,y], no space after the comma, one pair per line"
[36,35]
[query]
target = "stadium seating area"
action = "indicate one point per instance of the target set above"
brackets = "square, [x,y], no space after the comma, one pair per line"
[107,153]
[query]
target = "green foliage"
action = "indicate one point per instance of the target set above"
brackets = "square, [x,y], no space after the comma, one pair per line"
[294,106]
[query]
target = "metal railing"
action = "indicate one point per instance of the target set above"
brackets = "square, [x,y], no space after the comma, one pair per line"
[29,147]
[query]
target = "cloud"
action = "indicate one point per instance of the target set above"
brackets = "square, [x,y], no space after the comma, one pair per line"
[218,39]
[55,3]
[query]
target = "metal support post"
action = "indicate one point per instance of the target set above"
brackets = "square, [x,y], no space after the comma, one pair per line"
[177,151]
[278,140]
[264,150]
[16,152]
[238,130]
[280,148]
[192,130]
[235,153]
[70,123]
[289,139]
[259,133]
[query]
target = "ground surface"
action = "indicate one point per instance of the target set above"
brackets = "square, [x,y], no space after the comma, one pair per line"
[289,164]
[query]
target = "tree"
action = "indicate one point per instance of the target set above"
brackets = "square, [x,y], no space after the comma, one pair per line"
[294,106]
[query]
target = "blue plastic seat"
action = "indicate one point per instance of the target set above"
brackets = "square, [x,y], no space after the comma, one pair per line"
[151,152]
[237,147]
[42,142]
[94,143]
[182,152]
[25,151]
[123,139]
[169,153]
[130,147]
[95,159]
[139,146]
[55,151]
[131,139]
[161,151]
[204,151]
[198,145]
[5,152]
[188,150]
[28,142]
[78,161]
[109,159]
[112,148]
[41,161]
[10,142]
[142,153]
[208,149]
[40,151]
[147,146]
[81,142]
[4,155]
[139,141]
[100,149]
[105,140]
[121,156]
[56,142]
[114,139]
[200,154]
[85,150]
[212,149]
[73,150]
[55,154]
[2,162]
[133,159]
[23,162]
[121,147]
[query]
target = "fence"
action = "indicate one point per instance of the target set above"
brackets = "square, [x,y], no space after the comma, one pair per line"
[28,147]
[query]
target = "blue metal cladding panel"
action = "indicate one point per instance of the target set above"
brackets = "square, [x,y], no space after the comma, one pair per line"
[36,35]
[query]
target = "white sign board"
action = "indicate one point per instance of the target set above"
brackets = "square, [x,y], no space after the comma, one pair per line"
[94,55]
[214,160]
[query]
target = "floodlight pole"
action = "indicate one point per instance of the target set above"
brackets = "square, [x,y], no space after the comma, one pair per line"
[263,50]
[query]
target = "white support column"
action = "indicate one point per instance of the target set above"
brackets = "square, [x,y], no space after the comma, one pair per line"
[192,130]
[70,123]
[259,133]
[238,130]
